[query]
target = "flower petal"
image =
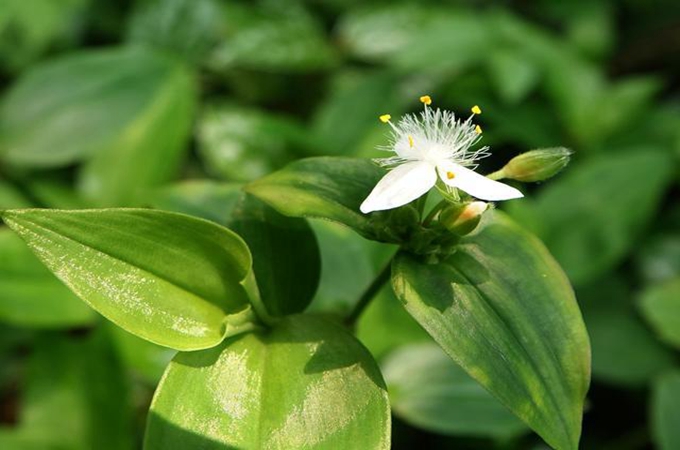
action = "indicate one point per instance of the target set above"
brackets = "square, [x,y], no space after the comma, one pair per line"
[400,186]
[475,184]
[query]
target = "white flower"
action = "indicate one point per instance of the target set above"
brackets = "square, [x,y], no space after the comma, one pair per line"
[434,143]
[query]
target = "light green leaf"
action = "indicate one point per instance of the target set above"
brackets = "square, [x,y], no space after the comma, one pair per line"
[99,102]
[625,352]
[666,411]
[514,75]
[285,253]
[430,391]
[593,215]
[324,187]
[31,295]
[503,309]
[207,199]
[660,305]
[240,144]
[168,278]
[305,384]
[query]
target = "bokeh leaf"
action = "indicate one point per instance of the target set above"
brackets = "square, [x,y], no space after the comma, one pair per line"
[665,411]
[660,305]
[305,384]
[165,277]
[430,391]
[286,259]
[503,309]
[595,212]
[625,352]
[71,108]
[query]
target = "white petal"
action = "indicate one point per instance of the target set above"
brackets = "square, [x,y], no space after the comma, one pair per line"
[475,184]
[400,186]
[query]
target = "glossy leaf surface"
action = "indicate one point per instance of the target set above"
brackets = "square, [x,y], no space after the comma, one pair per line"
[168,278]
[305,384]
[503,309]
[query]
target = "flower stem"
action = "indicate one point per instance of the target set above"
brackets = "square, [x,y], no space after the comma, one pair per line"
[369,294]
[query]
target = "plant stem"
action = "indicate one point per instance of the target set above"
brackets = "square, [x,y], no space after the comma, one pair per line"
[497,175]
[369,294]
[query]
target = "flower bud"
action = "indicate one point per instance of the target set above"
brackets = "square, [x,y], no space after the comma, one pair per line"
[537,165]
[462,219]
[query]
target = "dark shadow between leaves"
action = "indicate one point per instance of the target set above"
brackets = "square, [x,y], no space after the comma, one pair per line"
[161,434]
[204,358]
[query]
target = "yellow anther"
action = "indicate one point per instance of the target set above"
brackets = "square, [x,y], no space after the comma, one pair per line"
[410,141]
[450,175]
[426,99]
[476,110]
[478,129]
[385,118]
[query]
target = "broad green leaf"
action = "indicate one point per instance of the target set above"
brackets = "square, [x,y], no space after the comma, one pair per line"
[666,411]
[190,28]
[513,74]
[168,278]
[286,259]
[659,258]
[503,309]
[592,214]
[31,295]
[660,305]
[430,391]
[76,106]
[207,199]
[76,396]
[305,384]
[324,187]
[625,352]
[287,40]
[144,358]
[239,144]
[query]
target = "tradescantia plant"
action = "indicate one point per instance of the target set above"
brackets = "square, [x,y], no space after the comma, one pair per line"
[255,371]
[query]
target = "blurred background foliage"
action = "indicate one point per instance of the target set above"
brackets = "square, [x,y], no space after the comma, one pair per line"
[174,104]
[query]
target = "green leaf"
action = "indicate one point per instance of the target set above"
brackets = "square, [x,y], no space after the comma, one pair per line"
[324,187]
[625,352]
[660,305]
[503,309]
[11,197]
[430,391]
[31,295]
[168,278]
[240,144]
[305,384]
[190,28]
[285,253]
[593,217]
[666,411]
[71,108]
[207,199]
[659,258]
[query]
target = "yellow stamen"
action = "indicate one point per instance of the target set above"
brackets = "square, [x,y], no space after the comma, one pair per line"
[450,175]
[476,110]
[410,141]
[426,99]
[478,129]
[385,118]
